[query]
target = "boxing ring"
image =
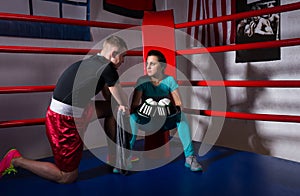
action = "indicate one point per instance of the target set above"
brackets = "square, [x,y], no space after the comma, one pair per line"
[258,171]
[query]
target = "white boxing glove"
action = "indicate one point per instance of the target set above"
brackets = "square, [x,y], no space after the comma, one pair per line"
[147,107]
[164,102]
[150,101]
[164,110]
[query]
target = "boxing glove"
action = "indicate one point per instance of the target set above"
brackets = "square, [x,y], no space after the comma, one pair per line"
[163,107]
[148,107]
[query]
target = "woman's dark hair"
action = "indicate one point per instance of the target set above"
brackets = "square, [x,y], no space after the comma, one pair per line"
[161,57]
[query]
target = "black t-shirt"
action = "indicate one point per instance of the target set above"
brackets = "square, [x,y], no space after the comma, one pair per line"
[84,79]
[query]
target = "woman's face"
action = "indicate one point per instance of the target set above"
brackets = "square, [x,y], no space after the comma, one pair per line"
[154,67]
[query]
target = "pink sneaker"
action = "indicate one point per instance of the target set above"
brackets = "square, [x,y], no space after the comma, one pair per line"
[6,166]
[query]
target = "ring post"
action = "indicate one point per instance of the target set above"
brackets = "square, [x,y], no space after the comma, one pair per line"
[158,34]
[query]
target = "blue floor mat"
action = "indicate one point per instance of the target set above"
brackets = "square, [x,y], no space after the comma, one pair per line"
[226,172]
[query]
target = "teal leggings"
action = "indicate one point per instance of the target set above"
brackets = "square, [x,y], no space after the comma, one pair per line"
[182,128]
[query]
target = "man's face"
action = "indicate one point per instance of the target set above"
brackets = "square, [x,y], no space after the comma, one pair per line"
[118,58]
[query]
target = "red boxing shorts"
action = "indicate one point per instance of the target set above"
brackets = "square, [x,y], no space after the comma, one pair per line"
[63,135]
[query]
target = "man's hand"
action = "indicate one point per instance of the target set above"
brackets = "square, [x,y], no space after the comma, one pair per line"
[125,109]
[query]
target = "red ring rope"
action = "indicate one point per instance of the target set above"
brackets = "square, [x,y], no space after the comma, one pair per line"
[225,83]
[25,89]
[8,16]
[244,83]
[277,9]
[236,115]
[75,51]
[246,116]
[268,44]
[20,123]
[45,50]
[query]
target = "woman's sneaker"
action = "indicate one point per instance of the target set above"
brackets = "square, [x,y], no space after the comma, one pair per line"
[192,163]
[116,170]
